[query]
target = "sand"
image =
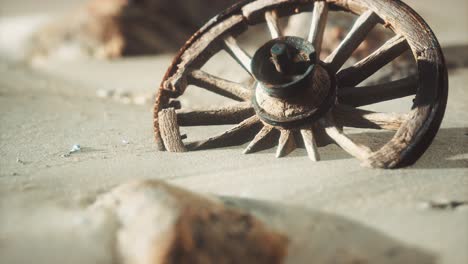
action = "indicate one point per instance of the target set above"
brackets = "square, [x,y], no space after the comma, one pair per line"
[43,194]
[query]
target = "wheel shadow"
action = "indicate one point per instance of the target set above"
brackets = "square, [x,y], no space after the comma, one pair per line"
[448,150]
[317,237]
[456,56]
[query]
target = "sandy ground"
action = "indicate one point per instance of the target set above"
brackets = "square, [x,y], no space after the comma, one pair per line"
[43,113]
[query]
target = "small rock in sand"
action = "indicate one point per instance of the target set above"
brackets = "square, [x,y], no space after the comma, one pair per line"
[75,148]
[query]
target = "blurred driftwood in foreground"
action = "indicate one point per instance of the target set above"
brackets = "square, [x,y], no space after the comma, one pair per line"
[157,223]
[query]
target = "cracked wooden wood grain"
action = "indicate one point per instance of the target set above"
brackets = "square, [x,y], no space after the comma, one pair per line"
[219,86]
[414,131]
[360,152]
[361,28]
[237,135]
[317,28]
[231,114]
[286,143]
[366,95]
[310,144]
[238,53]
[169,130]
[261,140]
[363,69]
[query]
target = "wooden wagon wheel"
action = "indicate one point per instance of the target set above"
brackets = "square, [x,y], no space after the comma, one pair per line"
[297,95]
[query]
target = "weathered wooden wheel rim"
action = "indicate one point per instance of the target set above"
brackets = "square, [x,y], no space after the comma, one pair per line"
[413,136]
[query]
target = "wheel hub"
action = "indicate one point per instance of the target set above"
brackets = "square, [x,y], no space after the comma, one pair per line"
[292,87]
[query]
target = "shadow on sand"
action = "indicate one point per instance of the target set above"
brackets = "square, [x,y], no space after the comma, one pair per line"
[456,56]
[448,150]
[317,237]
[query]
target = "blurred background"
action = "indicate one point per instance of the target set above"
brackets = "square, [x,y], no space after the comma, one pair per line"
[88,41]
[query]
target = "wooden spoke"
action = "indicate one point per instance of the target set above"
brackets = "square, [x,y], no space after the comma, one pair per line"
[259,139]
[310,144]
[358,151]
[237,135]
[271,18]
[173,103]
[361,96]
[220,86]
[351,117]
[317,29]
[363,25]
[414,131]
[169,130]
[362,70]
[232,114]
[286,143]
[238,53]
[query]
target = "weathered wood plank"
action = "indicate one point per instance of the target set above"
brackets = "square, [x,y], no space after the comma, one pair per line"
[361,28]
[259,139]
[363,69]
[286,143]
[317,28]
[199,51]
[310,144]
[231,114]
[358,151]
[366,95]
[220,86]
[237,135]
[237,53]
[169,130]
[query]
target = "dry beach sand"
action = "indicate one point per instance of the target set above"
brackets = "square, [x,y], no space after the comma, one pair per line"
[45,194]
